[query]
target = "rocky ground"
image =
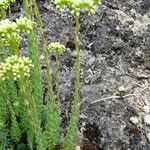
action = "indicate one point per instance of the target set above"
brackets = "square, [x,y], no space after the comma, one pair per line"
[115,72]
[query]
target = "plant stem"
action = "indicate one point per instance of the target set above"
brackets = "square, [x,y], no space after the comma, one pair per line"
[34,55]
[3,14]
[48,74]
[70,139]
[32,114]
[57,75]
[2,17]
[76,105]
[78,58]
[26,7]
[14,47]
[10,95]
[10,15]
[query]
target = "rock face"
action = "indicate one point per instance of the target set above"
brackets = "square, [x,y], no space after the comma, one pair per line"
[115,54]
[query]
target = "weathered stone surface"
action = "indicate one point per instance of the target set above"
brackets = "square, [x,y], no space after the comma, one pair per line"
[115,50]
[113,40]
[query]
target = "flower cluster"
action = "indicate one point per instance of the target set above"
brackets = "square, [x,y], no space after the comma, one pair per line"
[61,4]
[9,31]
[15,66]
[56,47]
[24,24]
[4,4]
[78,5]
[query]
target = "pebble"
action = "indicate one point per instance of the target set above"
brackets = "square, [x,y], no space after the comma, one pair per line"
[134,120]
[78,148]
[147,119]
[146,109]
[121,89]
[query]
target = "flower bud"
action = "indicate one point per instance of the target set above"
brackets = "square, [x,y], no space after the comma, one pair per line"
[56,47]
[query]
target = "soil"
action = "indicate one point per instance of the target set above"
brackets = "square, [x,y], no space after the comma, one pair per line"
[115,71]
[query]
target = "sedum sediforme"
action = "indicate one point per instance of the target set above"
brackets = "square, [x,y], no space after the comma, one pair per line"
[76,7]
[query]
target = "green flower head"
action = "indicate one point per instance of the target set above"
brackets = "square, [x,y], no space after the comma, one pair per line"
[56,47]
[7,26]
[61,4]
[78,5]
[10,30]
[24,24]
[15,66]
